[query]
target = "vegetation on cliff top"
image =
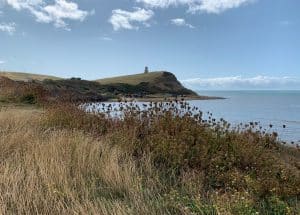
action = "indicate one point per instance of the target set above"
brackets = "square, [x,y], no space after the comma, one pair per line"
[156,84]
[162,159]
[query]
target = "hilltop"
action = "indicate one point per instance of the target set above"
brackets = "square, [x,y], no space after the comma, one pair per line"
[161,82]
[147,86]
[22,76]
[150,86]
[136,78]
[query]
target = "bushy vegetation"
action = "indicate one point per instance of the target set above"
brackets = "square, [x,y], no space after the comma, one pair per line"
[21,92]
[48,91]
[144,85]
[30,88]
[155,158]
[188,165]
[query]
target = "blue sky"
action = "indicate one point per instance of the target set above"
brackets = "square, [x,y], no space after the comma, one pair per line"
[208,44]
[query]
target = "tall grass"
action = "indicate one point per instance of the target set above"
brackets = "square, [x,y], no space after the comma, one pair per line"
[157,160]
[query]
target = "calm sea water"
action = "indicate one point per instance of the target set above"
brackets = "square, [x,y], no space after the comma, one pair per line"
[277,108]
[267,107]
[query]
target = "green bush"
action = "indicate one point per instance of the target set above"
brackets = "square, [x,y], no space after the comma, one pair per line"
[275,206]
[29,99]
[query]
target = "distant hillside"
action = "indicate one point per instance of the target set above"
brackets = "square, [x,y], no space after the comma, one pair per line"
[132,79]
[151,83]
[154,85]
[20,76]
[66,90]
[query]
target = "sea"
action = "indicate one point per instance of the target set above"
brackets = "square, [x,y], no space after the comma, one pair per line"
[281,109]
[275,111]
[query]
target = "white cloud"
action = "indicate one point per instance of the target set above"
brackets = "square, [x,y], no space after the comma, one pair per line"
[181,22]
[24,4]
[64,10]
[239,82]
[2,62]
[122,19]
[55,13]
[208,6]
[218,6]
[9,28]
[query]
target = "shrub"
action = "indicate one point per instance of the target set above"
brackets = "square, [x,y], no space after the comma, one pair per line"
[69,116]
[177,140]
[28,99]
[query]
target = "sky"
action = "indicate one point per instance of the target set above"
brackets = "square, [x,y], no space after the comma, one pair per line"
[207,44]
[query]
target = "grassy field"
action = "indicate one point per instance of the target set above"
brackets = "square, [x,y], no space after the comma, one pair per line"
[62,160]
[128,79]
[19,76]
[131,79]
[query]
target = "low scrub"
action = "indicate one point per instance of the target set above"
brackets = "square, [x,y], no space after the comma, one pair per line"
[21,92]
[160,158]
[197,160]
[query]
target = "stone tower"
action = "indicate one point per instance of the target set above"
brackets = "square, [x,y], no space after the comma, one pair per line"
[146,70]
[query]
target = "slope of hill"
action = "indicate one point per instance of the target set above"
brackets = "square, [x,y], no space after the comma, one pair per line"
[151,83]
[150,86]
[132,79]
[21,76]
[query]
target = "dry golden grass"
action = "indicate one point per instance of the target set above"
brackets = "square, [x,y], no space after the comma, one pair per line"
[20,76]
[62,169]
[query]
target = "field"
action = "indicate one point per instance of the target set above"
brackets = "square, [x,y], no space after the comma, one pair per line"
[19,76]
[60,160]
[131,79]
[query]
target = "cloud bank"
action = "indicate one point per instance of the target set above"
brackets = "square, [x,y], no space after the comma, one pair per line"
[122,19]
[55,13]
[208,6]
[9,28]
[241,83]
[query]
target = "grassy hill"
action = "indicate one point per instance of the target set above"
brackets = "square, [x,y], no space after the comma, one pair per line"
[152,83]
[132,79]
[21,76]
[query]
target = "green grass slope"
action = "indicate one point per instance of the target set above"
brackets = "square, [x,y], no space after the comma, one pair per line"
[21,76]
[132,79]
[152,83]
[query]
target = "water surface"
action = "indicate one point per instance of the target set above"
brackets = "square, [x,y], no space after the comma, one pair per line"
[267,107]
[277,108]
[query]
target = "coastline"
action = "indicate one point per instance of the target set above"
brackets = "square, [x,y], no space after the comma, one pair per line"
[154,98]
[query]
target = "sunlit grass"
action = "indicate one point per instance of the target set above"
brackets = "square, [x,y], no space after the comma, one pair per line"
[158,159]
